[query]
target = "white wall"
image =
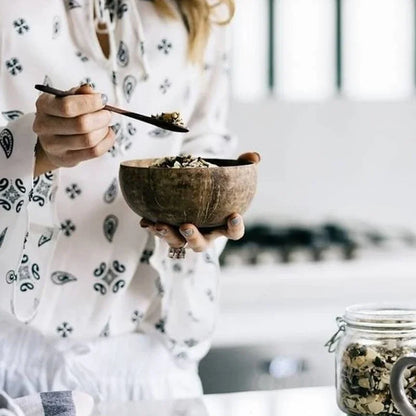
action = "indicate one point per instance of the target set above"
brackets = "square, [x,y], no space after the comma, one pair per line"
[340,159]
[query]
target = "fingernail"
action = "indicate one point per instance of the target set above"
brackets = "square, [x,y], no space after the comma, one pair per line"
[104,99]
[87,84]
[235,221]
[258,155]
[187,232]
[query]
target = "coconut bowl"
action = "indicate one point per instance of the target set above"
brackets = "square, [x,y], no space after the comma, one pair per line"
[204,196]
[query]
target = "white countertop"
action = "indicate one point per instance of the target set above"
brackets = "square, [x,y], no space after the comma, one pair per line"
[292,402]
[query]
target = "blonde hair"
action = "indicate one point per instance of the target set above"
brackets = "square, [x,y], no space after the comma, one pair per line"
[198,16]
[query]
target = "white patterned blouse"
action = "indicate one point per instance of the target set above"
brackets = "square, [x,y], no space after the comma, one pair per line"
[74,262]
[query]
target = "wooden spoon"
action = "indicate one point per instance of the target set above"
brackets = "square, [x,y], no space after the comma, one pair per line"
[150,120]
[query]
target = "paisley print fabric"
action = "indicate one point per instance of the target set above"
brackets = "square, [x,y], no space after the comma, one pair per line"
[74,262]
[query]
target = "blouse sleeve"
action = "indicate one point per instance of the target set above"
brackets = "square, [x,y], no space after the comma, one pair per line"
[26,217]
[17,157]
[186,310]
[184,313]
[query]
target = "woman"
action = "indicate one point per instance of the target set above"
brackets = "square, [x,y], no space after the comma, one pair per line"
[89,300]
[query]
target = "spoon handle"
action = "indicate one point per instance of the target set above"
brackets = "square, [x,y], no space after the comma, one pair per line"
[51,90]
[150,120]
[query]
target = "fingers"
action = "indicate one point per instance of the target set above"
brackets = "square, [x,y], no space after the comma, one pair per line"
[253,157]
[196,241]
[77,156]
[74,142]
[190,234]
[73,128]
[70,158]
[46,124]
[83,89]
[200,242]
[165,232]
[235,227]
[84,101]
[145,223]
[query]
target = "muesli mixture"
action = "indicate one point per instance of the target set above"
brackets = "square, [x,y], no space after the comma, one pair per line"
[365,377]
[173,118]
[187,161]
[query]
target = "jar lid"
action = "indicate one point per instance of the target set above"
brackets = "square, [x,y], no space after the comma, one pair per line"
[381,316]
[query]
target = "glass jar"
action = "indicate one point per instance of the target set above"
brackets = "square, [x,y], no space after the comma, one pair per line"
[370,339]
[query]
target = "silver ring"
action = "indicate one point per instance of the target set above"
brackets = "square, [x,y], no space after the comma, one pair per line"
[177,253]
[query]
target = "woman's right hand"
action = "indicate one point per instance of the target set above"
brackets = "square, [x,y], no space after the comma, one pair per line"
[71,129]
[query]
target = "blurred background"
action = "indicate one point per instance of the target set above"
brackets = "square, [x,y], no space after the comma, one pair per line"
[324,90]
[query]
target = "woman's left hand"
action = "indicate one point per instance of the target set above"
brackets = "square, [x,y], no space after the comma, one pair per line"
[191,236]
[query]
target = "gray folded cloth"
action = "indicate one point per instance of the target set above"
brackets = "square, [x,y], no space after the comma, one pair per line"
[54,403]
